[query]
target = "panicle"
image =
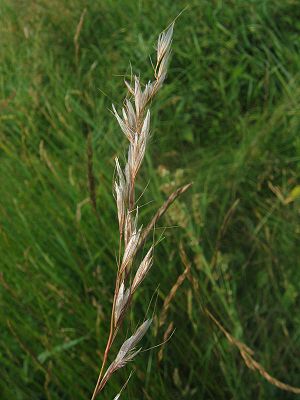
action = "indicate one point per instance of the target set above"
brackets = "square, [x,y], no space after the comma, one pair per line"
[134,121]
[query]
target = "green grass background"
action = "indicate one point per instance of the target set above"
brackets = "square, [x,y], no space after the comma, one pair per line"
[228,119]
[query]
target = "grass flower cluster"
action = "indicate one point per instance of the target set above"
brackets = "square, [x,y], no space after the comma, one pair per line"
[135,124]
[225,277]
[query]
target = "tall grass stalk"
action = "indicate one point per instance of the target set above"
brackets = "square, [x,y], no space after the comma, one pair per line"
[134,122]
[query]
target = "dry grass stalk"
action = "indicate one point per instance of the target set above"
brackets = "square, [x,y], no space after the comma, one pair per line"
[247,355]
[170,297]
[90,174]
[176,286]
[77,34]
[222,232]
[167,335]
[44,156]
[135,124]
[79,207]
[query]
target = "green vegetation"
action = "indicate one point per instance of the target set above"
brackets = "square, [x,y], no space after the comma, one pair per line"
[228,119]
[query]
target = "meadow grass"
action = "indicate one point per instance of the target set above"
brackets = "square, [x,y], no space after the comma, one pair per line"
[227,119]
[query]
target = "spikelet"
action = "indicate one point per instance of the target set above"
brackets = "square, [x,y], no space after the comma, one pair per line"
[121,302]
[131,249]
[143,269]
[127,351]
[164,43]
[125,128]
[121,195]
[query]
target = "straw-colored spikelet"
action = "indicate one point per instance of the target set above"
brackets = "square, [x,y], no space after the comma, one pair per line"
[134,122]
[142,270]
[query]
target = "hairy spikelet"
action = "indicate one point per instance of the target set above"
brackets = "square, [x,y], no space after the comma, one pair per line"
[142,270]
[128,350]
[131,249]
[121,302]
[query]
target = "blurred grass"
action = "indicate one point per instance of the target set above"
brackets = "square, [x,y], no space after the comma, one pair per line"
[227,119]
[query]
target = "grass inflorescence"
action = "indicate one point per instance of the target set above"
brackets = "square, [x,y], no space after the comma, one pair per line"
[227,118]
